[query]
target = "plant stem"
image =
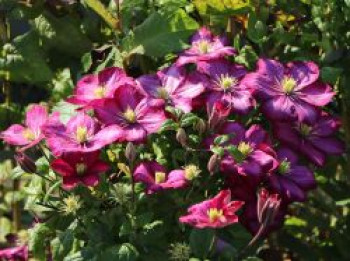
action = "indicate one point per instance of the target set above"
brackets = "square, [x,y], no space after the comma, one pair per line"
[103,12]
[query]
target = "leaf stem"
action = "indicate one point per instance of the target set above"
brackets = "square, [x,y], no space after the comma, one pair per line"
[103,12]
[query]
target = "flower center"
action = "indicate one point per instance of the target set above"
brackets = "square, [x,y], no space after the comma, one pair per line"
[244,148]
[159,177]
[226,81]
[162,93]
[284,167]
[305,130]
[129,115]
[71,204]
[214,214]
[81,169]
[203,46]
[81,134]
[100,92]
[288,85]
[191,172]
[28,134]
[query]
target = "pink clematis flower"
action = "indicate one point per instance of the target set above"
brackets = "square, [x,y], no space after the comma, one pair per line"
[290,180]
[99,86]
[174,87]
[132,112]
[31,133]
[75,168]
[225,85]
[289,92]
[205,47]
[19,253]
[315,141]
[156,178]
[253,156]
[217,212]
[81,134]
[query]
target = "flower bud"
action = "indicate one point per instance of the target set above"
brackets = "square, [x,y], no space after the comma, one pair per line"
[181,137]
[213,163]
[267,207]
[130,152]
[25,162]
[201,126]
[218,113]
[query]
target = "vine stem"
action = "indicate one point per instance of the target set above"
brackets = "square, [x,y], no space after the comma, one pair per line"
[103,12]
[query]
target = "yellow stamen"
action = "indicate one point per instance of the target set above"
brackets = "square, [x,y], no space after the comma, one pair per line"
[226,82]
[100,92]
[305,129]
[203,46]
[81,134]
[160,177]
[129,115]
[28,134]
[81,168]
[245,148]
[162,93]
[71,204]
[288,85]
[191,172]
[215,214]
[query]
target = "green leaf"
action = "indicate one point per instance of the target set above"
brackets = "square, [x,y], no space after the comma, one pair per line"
[201,242]
[124,252]
[188,119]
[221,139]
[37,241]
[62,34]
[23,60]
[161,34]
[66,110]
[62,245]
[5,228]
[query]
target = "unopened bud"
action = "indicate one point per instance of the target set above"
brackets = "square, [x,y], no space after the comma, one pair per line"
[213,163]
[181,137]
[26,163]
[267,207]
[130,152]
[201,126]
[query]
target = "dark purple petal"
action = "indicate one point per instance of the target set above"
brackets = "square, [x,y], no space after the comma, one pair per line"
[305,73]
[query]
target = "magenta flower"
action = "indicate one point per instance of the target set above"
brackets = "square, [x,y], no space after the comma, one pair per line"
[75,168]
[132,112]
[291,180]
[156,178]
[174,87]
[205,47]
[81,134]
[217,212]
[95,87]
[30,134]
[225,85]
[19,253]
[253,156]
[315,141]
[290,92]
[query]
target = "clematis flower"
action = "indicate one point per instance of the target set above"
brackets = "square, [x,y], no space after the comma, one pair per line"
[31,133]
[291,180]
[205,47]
[315,140]
[156,178]
[225,85]
[291,91]
[75,168]
[132,112]
[217,212]
[251,155]
[99,86]
[81,134]
[19,253]
[174,87]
